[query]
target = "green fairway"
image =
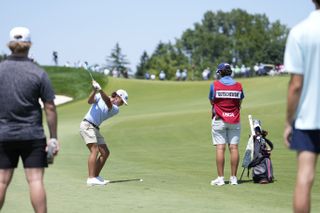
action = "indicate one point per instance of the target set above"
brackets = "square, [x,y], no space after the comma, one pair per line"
[164,137]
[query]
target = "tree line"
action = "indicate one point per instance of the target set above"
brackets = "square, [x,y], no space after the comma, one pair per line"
[235,37]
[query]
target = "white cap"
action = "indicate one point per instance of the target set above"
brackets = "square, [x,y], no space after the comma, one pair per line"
[20,34]
[123,95]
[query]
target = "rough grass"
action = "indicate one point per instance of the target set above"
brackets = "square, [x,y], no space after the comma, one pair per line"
[73,82]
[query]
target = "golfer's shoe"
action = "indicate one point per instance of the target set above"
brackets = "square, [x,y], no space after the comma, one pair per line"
[102,179]
[95,182]
[233,180]
[219,181]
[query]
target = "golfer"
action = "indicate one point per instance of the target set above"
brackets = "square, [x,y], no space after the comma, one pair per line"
[102,108]
[302,61]
[225,97]
[21,130]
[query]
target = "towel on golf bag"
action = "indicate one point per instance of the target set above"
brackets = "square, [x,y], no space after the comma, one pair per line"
[248,155]
[261,164]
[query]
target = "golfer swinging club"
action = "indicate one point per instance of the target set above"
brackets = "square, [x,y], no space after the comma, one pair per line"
[102,108]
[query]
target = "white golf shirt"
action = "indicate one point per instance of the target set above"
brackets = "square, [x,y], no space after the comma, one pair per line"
[302,56]
[99,111]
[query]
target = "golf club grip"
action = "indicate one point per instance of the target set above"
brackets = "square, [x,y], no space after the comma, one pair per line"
[251,124]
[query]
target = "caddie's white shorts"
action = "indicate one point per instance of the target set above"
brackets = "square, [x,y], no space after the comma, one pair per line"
[90,134]
[225,133]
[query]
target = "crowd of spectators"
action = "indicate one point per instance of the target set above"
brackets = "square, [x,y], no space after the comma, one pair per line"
[243,71]
[179,75]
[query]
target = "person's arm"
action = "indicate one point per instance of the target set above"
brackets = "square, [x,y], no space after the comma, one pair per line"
[106,99]
[52,120]
[211,94]
[91,98]
[242,97]
[104,96]
[211,100]
[294,93]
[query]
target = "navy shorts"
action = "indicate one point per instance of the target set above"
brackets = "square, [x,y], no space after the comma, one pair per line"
[32,152]
[306,140]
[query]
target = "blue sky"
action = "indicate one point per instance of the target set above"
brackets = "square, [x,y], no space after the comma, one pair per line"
[88,30]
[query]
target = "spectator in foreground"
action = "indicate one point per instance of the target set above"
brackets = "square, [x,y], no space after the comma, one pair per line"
[302,127]
[21,129]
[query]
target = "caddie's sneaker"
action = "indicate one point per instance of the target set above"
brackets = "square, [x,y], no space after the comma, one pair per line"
[233,180]
[102,179]
[95,181]
[219,181]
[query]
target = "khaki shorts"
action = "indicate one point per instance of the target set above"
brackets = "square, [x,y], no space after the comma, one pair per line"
[90,134]
[225,133]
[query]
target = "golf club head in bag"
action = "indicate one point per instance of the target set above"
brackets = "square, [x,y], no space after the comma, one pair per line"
[257,126]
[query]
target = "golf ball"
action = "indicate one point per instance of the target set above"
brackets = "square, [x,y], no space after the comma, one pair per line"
[141,180]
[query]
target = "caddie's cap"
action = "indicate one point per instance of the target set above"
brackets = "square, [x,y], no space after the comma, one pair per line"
[223,66]
[123,95]
[20,34]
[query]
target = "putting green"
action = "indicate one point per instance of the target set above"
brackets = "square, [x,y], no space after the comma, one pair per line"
[163,137]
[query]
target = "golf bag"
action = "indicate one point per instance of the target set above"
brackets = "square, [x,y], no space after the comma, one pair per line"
[257,154]
[261,164]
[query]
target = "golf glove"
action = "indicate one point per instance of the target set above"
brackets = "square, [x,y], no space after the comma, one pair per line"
[96,86]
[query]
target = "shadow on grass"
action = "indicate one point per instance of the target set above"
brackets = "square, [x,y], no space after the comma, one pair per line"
[251,181]
[245,181]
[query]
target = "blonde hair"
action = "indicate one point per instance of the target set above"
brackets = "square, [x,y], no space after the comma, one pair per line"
[19,47]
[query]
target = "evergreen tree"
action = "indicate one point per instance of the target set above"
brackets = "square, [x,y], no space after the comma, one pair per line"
[117,60]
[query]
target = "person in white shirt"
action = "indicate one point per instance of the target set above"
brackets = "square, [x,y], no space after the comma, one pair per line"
[302,127]
[184,75]
[205,73]
[178,75]
[162,75]
[152,76]
[102,108]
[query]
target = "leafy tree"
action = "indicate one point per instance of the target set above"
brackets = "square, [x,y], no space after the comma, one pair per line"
[117,60]
[166,57]
[236,37]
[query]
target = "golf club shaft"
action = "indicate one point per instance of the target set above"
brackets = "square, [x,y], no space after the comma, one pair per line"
[90,75]
[125,180]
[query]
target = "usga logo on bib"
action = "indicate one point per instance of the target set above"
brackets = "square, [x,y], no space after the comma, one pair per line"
[226,114]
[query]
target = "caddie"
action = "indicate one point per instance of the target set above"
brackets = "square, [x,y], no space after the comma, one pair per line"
[225,97]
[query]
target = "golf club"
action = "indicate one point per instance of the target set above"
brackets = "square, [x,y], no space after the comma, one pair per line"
[90,75]
[126,180]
